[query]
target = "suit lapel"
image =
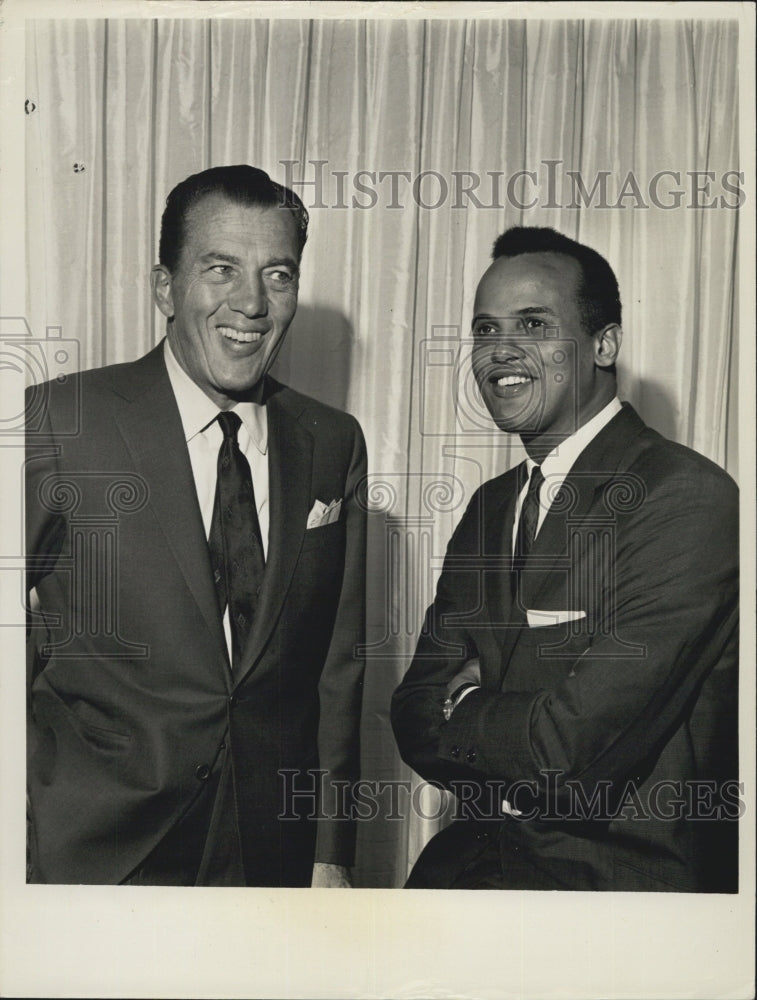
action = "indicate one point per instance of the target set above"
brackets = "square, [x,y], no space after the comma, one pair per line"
[290,462]
[582,490]
[150,425]
[498,533]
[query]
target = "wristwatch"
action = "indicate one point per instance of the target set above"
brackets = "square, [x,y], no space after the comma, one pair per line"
[452,699]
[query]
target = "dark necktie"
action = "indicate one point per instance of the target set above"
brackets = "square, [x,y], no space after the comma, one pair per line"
[529,514]
[236,547]
[529,518]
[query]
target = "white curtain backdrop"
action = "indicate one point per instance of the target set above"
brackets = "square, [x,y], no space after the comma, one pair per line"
[119,111]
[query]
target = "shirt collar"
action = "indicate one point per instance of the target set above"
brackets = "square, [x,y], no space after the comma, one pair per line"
[561,459]
[198,410]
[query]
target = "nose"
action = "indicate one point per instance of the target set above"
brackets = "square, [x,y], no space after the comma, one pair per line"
[504,350]
[495,351]
[249,296]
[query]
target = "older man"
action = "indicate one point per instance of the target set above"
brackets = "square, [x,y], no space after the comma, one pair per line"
[194,698]
[575,681]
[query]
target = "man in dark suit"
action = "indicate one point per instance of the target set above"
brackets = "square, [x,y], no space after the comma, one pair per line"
[575,679]
[198,557]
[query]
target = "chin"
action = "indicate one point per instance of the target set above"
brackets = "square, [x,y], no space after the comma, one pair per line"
[512,423]
[510,427]
[242,382]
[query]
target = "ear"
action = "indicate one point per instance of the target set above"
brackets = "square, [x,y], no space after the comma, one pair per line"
[160,283]
[607,345]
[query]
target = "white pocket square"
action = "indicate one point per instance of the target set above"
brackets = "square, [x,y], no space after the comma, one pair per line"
[323,514]
[538,618]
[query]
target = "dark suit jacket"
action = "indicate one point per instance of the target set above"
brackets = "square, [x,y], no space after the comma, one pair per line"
[635,704]
[133,703]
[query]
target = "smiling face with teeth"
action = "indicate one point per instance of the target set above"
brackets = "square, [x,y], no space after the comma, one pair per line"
[232,296]
[541,375]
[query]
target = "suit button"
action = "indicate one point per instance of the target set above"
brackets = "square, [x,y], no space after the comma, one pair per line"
[454,751]
[471,756]
[202,772]
[222,746]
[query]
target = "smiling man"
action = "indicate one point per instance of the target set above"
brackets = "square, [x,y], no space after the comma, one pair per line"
[194,694]
[575,683]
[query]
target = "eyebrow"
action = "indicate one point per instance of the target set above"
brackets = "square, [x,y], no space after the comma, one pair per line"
[288,261]
[532,310]
[525,311]
[228,258]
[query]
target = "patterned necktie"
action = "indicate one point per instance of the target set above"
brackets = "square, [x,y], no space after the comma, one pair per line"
[529,518]
[236,546]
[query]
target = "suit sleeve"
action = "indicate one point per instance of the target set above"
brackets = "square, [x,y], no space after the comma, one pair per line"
[672,599]
[44,530]
[340,687]
[45,536]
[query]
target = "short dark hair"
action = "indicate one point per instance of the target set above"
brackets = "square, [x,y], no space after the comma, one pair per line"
[598,293]
[243,184]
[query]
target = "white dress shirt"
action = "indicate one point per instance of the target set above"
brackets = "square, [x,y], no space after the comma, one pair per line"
[204,437]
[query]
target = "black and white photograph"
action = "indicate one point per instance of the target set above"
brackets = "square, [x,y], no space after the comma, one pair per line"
[379,485]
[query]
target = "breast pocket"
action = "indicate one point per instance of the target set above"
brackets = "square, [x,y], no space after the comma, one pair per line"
[328,535]
[545,655]
[567,639]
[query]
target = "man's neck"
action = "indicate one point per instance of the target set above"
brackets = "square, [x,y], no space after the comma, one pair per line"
[538,446]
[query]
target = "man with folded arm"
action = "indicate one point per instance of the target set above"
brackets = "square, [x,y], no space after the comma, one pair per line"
[575,683]
[194,694]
